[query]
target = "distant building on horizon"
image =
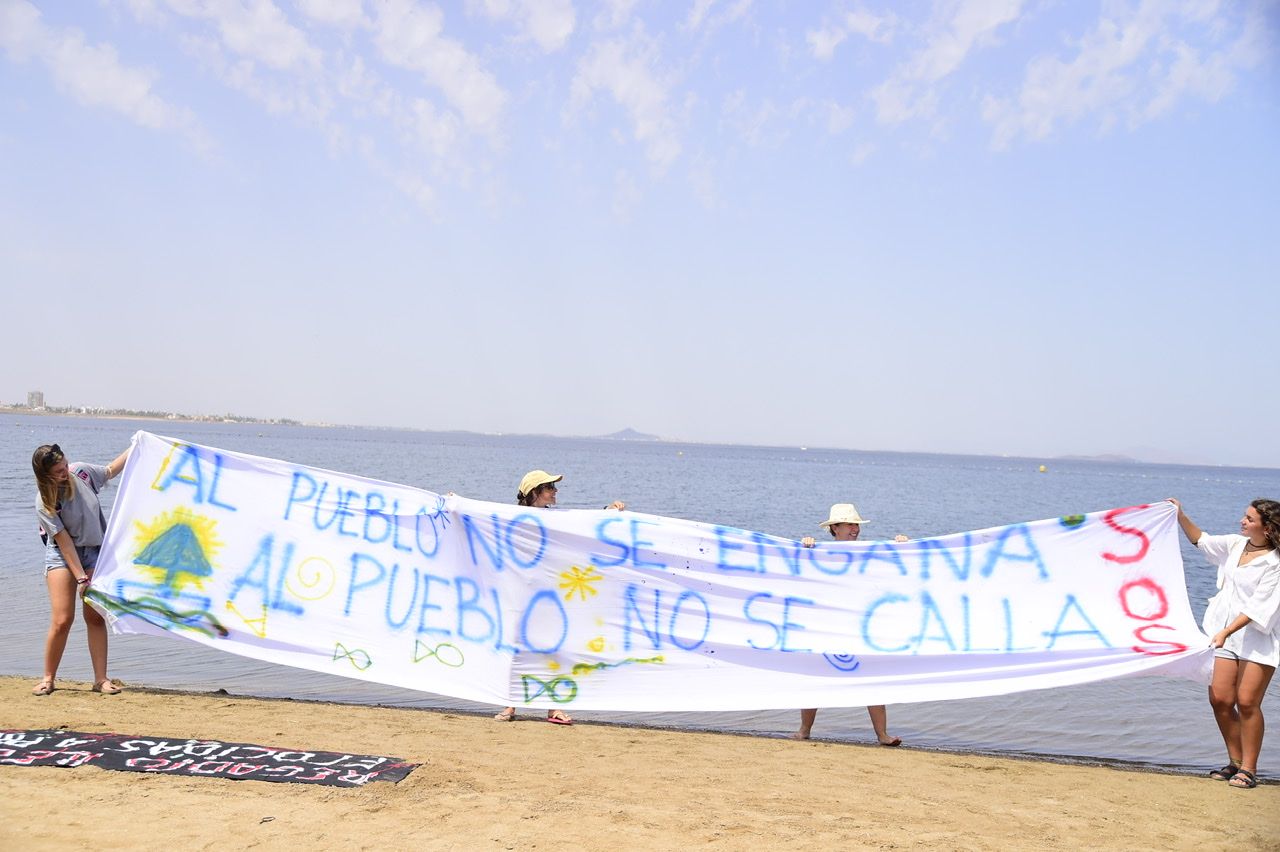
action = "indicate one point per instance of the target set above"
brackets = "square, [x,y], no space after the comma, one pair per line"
[35,399]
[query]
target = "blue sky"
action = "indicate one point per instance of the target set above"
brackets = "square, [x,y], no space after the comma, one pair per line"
[1012,226]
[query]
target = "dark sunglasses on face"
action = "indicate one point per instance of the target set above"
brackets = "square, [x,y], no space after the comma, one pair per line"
[550,486]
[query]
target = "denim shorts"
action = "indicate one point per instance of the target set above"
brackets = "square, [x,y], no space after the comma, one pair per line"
[53,557]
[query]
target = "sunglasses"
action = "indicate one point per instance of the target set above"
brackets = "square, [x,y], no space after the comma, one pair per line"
[52,457]
[550,486]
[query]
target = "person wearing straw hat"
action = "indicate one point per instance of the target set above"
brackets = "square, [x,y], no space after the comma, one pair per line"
[538,490]
[845,524]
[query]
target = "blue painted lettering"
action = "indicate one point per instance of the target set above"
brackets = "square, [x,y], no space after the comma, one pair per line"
[868,636]
[882,552]
[789,626]
[392,621]
[632,606]
[675,615]
[1071,605]
[746,611]
[557,613]
[427,606]
[724,547]
[997,552]
[299,477]
[961,571]
[357,584]
[930,613]
[600,559]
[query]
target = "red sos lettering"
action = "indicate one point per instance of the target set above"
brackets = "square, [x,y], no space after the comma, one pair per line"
[1145,600]
[1144,543]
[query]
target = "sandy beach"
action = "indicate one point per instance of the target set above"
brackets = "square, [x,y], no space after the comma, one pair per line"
[528,785]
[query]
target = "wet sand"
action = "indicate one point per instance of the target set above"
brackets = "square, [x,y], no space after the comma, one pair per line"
[529,785]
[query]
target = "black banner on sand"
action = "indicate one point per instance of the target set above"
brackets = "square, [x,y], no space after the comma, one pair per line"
[204,758]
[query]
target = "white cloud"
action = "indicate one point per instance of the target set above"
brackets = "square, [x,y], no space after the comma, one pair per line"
[255,29]
[92,74]
[876,28]
[435,130]
[758,125]
[823,42]
[627,72]
[549,23]
[280,95]
[701,18]
[1132,66]
[698,13]
[910,92]
[839,117]
[872,27]
[613,14]
[409,34]
[343,14]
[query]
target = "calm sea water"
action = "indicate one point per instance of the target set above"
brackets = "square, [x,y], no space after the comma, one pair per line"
[1159,722]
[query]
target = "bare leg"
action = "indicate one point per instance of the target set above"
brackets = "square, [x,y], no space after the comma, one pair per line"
[1222,698]
[880,722]
[96,626]
[62,601]
[1251,686]
[806,724]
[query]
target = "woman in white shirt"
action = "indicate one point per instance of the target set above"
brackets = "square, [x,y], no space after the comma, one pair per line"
[1244,620]
[845,524]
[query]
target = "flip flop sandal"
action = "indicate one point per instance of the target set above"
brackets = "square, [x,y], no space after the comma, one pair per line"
[504,716]
[1226,773]
[107,687]
[559,719]
[1247,780]
[43,688]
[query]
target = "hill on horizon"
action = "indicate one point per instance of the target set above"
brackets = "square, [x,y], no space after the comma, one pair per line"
[629,434]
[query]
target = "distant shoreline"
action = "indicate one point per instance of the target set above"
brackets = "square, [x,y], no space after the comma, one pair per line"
[126,414]
[622,436]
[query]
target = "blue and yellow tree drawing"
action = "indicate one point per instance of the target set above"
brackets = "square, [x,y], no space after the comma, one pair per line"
[176,549]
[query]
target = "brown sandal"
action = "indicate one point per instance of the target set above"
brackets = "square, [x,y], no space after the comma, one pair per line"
[107,687]
[1244,780]
[44,687]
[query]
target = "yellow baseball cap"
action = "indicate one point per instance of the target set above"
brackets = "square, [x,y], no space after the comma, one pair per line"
[534,478]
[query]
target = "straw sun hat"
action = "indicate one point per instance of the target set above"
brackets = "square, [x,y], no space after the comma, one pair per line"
[843,513]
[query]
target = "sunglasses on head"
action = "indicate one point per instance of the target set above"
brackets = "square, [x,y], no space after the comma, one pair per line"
[53,456]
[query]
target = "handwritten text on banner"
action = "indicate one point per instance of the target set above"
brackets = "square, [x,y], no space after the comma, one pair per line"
[606,610]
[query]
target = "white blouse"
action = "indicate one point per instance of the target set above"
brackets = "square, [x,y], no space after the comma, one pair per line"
[1252,589]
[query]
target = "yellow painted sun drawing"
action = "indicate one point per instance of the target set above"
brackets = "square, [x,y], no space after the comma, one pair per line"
[580,581]
[182,544]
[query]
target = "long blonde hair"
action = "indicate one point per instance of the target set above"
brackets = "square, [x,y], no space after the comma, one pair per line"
[51,491]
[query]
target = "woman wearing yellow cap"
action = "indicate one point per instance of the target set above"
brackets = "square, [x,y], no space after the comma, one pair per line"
[537,490]
[845,524]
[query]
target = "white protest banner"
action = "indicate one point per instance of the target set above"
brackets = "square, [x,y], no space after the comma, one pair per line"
[605,610]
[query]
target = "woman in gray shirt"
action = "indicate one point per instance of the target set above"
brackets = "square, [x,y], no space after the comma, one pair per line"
[72,522]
